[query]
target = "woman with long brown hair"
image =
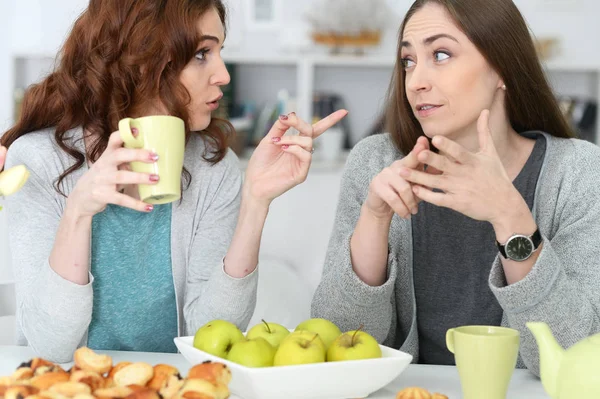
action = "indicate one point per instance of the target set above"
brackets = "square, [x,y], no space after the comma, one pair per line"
[477,206]
[96,266]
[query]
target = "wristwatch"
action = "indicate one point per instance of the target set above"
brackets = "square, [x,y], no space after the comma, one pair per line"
[520,247]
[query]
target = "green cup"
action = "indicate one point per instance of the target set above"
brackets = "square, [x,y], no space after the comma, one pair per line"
[165,136]
[486,357]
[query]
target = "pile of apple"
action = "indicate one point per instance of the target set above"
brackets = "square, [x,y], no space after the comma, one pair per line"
[270,344]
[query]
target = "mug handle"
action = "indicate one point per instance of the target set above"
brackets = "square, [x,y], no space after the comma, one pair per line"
[126,135]
[450,340]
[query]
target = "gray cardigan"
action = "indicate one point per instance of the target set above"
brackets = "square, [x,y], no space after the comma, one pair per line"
[563,288]
[53,314]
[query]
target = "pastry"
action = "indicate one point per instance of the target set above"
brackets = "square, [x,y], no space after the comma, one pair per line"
[162,372]
[88,360]
[22,374]
[144,393]
[413,393]
[211,371]
[90,378]
[173,385]
[45,381]
[112,393]
[202,389]
[70,388]
[135,373]
[20,391]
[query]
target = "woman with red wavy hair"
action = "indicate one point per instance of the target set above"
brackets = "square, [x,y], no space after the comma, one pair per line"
[96,266]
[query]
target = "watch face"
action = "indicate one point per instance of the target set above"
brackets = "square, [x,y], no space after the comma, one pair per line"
[519,248]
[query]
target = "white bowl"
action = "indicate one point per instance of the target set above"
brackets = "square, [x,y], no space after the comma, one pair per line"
[329,380]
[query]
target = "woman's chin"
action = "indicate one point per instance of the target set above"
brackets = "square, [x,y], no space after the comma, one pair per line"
[199,125]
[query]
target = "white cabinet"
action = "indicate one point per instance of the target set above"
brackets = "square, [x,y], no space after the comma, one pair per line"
[363,82]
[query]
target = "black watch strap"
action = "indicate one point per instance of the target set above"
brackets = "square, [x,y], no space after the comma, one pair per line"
[536,239]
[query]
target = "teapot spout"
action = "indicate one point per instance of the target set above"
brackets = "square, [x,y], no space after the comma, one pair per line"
[551,356]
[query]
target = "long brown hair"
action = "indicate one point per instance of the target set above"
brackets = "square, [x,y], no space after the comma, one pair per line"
[498,30]
[120,55]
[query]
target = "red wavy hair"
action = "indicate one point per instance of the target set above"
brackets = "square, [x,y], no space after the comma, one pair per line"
[120,57]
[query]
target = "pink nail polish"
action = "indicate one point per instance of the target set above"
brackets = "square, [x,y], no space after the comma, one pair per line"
[276,139]
[285,146]
[283,117]
[134,132]
[149,208]
[154,157]
[154,178]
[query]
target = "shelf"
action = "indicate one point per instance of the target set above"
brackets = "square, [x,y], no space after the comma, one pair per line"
[371,60]
[252,59]
[368,60]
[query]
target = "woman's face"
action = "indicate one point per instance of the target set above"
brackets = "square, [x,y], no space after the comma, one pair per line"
[206,73]
[448,81]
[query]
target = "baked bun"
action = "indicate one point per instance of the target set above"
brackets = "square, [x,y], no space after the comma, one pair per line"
[211,371]
[162,372]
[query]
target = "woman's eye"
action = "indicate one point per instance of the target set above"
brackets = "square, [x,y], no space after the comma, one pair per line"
[201,55]
[441,56]
[407,63]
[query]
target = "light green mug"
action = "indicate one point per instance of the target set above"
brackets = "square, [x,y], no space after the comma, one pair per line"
[486,357]
[165,136]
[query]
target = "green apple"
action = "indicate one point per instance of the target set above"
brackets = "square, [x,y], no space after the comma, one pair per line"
[300,347]
[256,352]
[327,330]
[354,345]
[217,337]
[11,180]
[274,333]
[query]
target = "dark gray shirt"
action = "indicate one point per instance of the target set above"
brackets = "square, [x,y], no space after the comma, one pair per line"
[453,255]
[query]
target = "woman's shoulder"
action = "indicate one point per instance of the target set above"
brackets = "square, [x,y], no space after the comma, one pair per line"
[373,153]
[37,149]
[572,165]
[197,154]
[574,153]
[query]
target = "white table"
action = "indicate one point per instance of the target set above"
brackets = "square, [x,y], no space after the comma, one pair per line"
[443,379]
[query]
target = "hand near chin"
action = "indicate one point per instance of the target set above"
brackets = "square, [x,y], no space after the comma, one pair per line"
[280,162]
[390,193]
[474,184]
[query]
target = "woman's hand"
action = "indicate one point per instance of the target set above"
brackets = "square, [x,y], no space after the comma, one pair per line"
[474,184]
[280,162]
[100,184]
[389,193]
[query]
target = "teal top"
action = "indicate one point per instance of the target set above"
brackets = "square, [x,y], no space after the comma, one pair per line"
[134,307]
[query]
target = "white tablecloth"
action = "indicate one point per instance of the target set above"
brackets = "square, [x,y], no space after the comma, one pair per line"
[443,379]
